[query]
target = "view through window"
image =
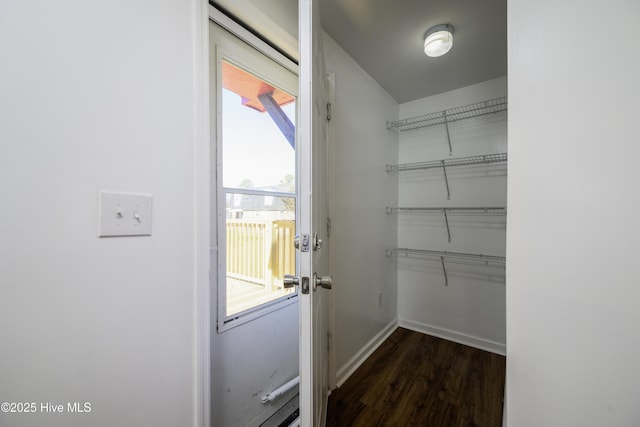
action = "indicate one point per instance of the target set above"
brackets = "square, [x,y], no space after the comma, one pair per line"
[259,184]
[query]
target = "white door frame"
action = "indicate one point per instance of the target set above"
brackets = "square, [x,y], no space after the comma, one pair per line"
[305,130]
[204,12]
[331,89]
[202,241]
[206,252]
[312,136]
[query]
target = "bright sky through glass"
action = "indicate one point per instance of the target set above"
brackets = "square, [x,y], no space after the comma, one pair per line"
[254,148]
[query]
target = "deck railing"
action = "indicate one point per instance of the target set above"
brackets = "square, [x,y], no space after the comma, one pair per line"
[260,251]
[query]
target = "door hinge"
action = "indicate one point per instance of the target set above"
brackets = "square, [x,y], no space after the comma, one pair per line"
[328,226]
[329,341]
[328,111]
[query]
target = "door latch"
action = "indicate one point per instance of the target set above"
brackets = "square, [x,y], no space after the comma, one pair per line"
[290,281]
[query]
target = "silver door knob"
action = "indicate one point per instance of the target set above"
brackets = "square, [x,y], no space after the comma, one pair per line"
[325,282]
[290,281]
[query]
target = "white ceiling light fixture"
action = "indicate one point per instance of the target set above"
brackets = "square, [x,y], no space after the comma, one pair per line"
[438,40]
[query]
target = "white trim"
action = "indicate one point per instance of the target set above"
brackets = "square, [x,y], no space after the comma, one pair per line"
[365,352]
[460,338]
[216,213]
[330,85]
[263,24]
[245,35]
[201,167]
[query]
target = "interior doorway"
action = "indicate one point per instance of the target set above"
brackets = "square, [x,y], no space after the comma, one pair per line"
[254,209]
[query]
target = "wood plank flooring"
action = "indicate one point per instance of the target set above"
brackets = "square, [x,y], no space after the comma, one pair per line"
[414,379]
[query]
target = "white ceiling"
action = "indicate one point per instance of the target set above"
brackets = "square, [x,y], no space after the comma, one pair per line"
[386,38]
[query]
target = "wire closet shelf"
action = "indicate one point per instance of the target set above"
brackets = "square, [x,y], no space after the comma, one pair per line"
[446,257]
[445,211]
[451,115]
[485,159]
[455,257]
[456,210]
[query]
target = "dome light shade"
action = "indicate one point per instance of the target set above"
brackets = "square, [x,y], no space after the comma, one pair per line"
[438,40]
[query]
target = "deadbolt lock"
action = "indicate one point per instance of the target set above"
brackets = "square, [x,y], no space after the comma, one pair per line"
[301,243]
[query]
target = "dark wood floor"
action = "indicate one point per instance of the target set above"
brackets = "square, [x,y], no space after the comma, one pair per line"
[414,379]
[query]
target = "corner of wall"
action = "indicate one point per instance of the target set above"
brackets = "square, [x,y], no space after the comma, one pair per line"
[346,370]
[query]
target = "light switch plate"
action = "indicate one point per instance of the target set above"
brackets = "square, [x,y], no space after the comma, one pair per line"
[125,214]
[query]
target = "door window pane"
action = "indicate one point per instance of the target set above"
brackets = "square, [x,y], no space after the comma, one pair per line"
[258,174]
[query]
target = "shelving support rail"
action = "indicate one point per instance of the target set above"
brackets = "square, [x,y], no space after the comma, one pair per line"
[492,106]
[447,211]
[485,159]
[453,257]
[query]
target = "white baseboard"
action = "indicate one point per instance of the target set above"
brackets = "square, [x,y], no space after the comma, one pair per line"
[460,338]
[354,363]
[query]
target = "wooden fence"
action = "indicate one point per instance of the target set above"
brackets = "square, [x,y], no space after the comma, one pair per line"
[261,252]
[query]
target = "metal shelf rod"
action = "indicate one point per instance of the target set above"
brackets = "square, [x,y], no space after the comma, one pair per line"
[446,221]
[446,125]
[446,180]
[444,271]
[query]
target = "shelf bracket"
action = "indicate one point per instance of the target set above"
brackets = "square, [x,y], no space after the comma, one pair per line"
[444,271]
[446,180]
[446,221]
[446,125]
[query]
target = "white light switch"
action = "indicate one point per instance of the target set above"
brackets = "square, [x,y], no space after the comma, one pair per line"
[125,214]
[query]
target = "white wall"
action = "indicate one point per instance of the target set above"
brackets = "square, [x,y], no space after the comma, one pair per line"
[573,238]
[471,309]
[361,231]
[98,96]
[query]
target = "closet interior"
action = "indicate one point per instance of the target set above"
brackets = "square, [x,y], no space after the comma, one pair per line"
[451,217]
